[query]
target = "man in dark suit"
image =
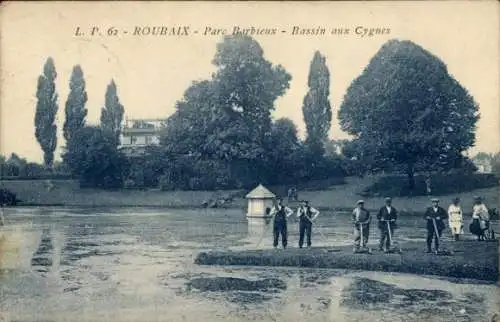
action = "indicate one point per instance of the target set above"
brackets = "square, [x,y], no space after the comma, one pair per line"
[387,217]
[436,214]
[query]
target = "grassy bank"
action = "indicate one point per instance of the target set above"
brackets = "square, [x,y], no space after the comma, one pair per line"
[68,193]
[471,259]
[334,197]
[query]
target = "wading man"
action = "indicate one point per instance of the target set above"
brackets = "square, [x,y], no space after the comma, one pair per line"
[435,216]
[361,219]
[280,214]
[306,215]
[387,217]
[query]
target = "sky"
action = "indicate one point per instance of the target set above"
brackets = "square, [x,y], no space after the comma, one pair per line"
[153,71]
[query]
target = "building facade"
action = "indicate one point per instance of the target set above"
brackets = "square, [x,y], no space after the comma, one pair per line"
[137,134]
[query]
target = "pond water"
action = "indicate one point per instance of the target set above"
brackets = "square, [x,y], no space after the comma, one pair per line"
[137,264]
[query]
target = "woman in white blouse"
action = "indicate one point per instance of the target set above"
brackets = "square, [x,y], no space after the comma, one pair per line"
[455,218]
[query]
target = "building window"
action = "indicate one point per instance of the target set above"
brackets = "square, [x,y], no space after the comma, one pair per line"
[148,139]
[133,140]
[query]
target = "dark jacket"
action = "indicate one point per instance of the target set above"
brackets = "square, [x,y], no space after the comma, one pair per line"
[383,215]
[441,213]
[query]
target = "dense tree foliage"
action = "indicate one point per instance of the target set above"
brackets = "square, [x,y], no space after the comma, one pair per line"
[316,107]
[405,109]
[46,110]
[112,114]
[224,123]
[75,109]
[93,159]
[15,166]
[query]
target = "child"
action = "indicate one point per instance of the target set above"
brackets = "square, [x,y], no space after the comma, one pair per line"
[455,219]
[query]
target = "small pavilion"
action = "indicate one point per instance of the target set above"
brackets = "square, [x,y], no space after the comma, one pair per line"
[259,199]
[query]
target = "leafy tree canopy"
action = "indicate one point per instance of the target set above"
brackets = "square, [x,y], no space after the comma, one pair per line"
[406,109]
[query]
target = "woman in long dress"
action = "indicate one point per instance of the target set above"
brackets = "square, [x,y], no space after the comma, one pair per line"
[455,218]
[480,218]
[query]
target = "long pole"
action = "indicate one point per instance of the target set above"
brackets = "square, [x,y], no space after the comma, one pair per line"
[389,230]
[314,224]
[266,230]
[436,230]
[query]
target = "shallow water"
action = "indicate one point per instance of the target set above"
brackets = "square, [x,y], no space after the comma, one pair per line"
[136,264]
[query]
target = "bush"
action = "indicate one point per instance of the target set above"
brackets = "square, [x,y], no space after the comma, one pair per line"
[8,198]
[166,183]
[441,184]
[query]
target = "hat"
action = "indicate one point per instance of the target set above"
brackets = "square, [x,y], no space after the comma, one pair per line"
[388,199]
[360,202]
[477,198]
[435,200]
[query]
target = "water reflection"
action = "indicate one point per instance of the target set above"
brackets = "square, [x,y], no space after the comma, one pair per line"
[42,259]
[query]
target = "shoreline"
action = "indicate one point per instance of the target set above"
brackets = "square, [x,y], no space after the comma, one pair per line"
[338,198]
[189,207]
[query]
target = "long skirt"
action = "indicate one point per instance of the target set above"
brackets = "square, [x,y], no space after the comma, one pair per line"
[475,227]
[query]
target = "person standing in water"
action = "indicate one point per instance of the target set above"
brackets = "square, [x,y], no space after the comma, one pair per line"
[280,214]
[455,218]
[434,214]
[306,215]
[361,219]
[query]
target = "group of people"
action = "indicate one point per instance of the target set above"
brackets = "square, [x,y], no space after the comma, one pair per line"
[387,216]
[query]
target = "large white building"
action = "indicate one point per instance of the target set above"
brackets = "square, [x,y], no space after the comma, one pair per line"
[136,134]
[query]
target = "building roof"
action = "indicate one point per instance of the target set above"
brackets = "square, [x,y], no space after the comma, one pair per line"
[260,192]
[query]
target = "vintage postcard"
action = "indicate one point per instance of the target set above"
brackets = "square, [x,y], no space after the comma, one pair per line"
[249,161]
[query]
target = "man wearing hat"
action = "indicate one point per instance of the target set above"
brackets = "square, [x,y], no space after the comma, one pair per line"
[361,217]
[306,215]
[437,214]
[280,213]
[387,217]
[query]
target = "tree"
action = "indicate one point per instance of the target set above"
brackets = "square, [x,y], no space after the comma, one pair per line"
[75,105]
[406,110]
[226,120]
[246,86]
[283,157]
[112,114]
[495,163]
[46,110]
[316,106]
[93,158]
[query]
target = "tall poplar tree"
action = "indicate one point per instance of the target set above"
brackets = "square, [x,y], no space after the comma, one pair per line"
[75,105]
[316,106]
[45,114]
[112,114]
